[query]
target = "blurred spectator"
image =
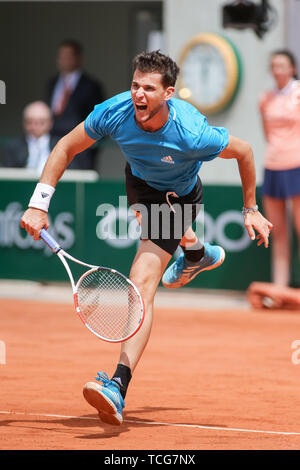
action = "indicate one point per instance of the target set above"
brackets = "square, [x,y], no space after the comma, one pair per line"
[280,111]
[32,150]
[72,95]
[267,295]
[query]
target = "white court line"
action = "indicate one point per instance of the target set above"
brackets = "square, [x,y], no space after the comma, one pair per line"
[156,423]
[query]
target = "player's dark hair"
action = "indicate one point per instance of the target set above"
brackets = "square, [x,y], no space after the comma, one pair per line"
[75,45]
[155,61]
[289,55]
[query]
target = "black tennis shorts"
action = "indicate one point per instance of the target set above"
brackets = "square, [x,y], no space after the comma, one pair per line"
[164,218]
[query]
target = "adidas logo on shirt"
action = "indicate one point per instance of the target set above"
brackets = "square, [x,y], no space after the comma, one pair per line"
[168,159]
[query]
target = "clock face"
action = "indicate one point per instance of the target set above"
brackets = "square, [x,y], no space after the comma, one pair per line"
[209,73]
[204,74]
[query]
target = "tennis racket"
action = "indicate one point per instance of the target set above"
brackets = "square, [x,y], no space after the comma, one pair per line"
[107,302]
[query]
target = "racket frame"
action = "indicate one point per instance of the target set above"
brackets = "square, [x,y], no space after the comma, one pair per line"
[56,248]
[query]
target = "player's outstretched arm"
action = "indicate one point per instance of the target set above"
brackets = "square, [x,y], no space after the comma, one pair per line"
[35,218]
[254,220]
[63,153]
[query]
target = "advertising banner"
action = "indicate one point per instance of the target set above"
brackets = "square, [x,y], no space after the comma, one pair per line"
[93,222]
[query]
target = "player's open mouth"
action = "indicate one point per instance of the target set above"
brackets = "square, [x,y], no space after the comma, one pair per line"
[141,107]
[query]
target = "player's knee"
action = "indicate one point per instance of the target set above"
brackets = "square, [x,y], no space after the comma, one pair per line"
[141,281]
[145,284]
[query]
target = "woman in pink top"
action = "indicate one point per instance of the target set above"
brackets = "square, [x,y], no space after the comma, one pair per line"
[280,111]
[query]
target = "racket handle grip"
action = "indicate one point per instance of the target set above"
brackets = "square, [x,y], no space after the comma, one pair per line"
[50,241]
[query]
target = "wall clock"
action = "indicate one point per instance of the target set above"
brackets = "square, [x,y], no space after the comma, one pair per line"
[210,72]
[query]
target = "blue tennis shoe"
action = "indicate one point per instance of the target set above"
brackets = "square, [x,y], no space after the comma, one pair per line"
[106,398]
[183,271]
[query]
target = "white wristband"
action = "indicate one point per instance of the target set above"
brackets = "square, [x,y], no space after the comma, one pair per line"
[41,196]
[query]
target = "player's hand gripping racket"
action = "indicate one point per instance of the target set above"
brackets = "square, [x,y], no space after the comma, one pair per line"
[106,301]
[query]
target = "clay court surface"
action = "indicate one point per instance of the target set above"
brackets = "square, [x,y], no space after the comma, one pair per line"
[209,379]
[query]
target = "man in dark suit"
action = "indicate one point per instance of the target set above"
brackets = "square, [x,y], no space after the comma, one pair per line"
[72,95]
[31,150]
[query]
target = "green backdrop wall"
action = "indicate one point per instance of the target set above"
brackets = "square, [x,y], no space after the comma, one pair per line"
[92,221]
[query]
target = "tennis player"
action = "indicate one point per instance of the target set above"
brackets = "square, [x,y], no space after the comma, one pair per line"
[165,141]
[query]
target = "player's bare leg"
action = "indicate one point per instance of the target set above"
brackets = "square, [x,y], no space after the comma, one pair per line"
[147,269]
[275,210]
[189,238]
[108,398]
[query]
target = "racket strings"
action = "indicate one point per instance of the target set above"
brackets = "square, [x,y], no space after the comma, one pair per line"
[109,304]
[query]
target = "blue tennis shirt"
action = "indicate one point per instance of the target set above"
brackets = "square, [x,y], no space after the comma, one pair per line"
[168,159]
